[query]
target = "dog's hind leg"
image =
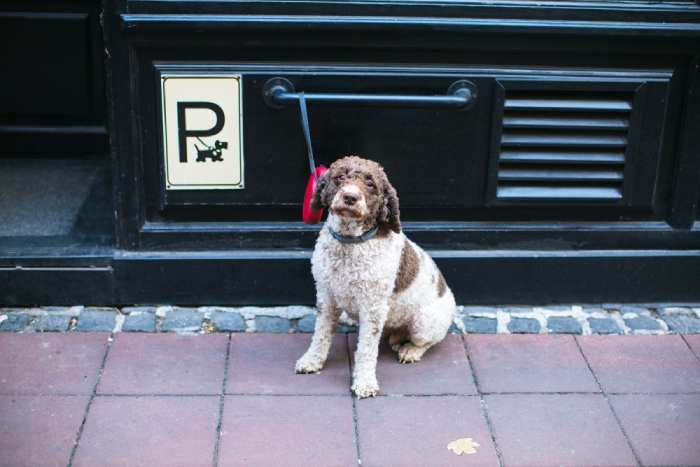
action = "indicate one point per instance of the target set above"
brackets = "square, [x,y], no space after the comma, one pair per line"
[411,353]
[326,320]
[397,337]
[429,328]
[413,350]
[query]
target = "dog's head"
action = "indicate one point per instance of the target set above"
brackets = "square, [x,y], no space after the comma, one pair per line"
[358,189]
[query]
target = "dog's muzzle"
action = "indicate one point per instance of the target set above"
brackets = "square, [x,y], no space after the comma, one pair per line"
[349,201]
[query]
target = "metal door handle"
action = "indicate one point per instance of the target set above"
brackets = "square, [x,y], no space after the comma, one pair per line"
[461,95]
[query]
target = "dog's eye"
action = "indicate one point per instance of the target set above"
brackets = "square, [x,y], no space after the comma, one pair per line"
[339,178]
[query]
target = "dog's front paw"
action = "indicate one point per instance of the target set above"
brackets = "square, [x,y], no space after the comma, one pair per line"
[308,364]
[364,388]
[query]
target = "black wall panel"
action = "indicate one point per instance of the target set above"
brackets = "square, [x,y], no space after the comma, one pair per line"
[52,78]
[636,242]
[58,83]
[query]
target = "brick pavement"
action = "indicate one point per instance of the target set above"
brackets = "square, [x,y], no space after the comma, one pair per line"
[101,399]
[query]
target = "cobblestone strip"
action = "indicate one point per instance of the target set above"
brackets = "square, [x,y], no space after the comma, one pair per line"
[648,319]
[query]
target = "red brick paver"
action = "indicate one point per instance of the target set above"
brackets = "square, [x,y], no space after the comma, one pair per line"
[552,429]
[44,363]
[523,363]
[264,364]
[287,431]
[693,341]
[663,429]
[444,369]
[149,431]
[415,431]
[165,364]
[39,431]
[642,363]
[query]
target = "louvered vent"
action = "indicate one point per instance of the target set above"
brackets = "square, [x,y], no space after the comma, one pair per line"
[563,145]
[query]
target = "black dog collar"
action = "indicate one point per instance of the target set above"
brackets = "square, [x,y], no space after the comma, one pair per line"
[352,238]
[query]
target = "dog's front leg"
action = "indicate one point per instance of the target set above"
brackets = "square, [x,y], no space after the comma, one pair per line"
[372,319]
[326,320]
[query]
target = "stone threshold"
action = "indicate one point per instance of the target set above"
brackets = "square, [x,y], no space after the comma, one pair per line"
[611,319]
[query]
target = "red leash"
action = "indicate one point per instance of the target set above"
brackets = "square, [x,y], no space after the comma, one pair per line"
[309,215]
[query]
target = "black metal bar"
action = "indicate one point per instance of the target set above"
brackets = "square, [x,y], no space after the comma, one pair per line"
[460,95]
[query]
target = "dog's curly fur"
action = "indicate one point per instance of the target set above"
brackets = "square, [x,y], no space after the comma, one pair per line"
[387,283]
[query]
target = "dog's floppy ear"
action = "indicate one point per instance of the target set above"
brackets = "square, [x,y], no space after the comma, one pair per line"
[390,212]
[318,199]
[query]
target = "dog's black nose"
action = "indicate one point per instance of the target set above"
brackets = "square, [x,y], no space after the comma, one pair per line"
[350,199]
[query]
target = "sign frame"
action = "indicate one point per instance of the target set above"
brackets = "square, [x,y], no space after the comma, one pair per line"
[166,184]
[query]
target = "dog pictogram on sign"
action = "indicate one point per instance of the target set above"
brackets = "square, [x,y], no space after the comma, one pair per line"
[215,153]
[202,132]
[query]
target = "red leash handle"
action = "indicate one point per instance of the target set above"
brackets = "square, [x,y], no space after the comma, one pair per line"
[309,215]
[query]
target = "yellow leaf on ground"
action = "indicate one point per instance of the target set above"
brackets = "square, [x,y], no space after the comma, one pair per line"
[463,446]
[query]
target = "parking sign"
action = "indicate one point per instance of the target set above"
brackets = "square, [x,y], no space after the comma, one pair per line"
[202,132]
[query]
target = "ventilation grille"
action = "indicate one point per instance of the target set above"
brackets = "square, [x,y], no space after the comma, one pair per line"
[563,145]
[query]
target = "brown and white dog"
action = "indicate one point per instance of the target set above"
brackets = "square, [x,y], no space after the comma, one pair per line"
[364,265]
